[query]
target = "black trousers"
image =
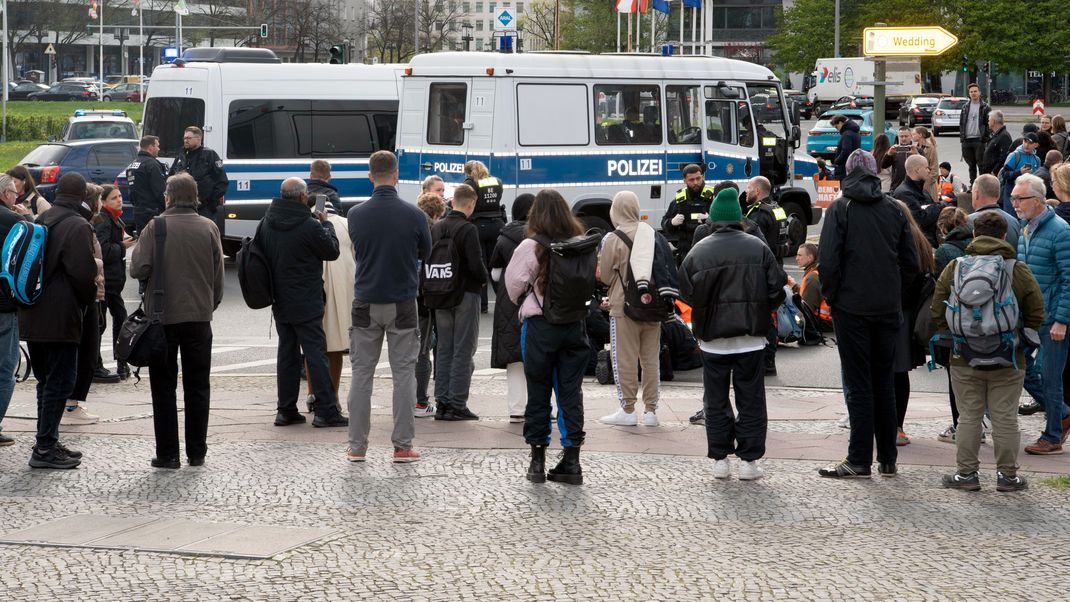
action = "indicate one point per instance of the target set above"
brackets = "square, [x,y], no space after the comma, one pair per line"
[55,366]
[489,229]
[973,153]
[194,341]
[88,352]
[555,356]
[727,433]
[867,349]
[308,337]
[117,308]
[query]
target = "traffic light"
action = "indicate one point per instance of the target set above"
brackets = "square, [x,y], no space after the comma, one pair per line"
[263,30]
[965,64]
[338,54]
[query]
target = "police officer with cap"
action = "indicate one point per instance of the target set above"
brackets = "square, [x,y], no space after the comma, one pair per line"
[206,168]
[147,178]
[489,214]
[772,220]
[687,211]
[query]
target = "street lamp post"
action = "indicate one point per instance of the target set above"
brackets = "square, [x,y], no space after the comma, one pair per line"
[466,36]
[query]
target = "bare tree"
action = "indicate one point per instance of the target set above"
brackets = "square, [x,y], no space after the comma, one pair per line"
[438,19]
[538,24]
[219,13]
[390,30]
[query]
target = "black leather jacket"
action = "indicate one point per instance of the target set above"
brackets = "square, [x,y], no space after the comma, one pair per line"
[733,284]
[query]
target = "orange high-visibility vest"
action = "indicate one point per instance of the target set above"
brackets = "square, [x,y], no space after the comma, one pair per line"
[824,312]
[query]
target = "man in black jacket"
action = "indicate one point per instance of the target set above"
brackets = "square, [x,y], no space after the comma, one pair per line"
[867,251]
[11,212]
[999,144]
[730,321]
[319,182]
[850,140]
[687,212]
[914,193]
[296,245]
[146,177]
[458,324]
[973,130]
[52,327]
[206,168]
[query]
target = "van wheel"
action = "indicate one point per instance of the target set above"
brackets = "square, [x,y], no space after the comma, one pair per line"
[593,221]
[796,227]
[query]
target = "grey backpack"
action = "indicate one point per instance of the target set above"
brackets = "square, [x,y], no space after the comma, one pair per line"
[982,312]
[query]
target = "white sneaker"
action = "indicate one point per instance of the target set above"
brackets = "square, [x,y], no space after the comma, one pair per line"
[650,419]
[750,471]
[845,422]
[721,469]
[79,416]
[620,418]
[426,411]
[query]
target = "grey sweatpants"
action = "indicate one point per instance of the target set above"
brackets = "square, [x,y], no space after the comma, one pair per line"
[398,321]
[457,329]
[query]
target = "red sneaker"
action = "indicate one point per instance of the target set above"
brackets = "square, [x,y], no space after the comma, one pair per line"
[353,456]
[402,456]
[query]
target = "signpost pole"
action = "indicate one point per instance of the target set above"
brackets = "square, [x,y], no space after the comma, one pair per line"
[879,73]
[4,74]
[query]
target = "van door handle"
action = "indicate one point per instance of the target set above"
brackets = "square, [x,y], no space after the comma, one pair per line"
[426,166]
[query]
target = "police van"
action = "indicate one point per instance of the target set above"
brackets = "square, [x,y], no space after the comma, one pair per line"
[592,125]
[268,121]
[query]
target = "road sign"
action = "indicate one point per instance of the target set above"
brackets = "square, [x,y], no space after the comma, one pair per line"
[504,19]
[181,8]
[907,41]
[50,50]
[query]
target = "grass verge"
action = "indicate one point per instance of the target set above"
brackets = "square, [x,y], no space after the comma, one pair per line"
[1060,482]
[13,152]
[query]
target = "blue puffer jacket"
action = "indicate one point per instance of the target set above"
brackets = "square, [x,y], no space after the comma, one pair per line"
[1047,253]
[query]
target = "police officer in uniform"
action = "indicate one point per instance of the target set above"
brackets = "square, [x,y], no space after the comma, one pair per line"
[147,178]
[772,220]
[687,211]
[489,214]
[206,168]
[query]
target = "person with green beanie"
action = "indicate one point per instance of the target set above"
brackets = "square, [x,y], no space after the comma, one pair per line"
[709,226]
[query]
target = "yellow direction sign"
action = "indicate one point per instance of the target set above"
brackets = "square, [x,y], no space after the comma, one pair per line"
[906,41]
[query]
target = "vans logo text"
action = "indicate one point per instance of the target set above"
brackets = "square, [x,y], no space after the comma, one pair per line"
[438,271]
[635,167]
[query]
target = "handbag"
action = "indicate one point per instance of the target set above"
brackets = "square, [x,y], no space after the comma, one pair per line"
[142,336]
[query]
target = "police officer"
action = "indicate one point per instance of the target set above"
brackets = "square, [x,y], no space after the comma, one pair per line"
[687,211]
[147,179]
[206,168]
[489,214]
[772,220]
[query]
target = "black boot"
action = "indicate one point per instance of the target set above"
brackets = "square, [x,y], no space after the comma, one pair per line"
[568,470]
[537,468]
[123,370]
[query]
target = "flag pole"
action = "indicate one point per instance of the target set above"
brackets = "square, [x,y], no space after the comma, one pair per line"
[653,39]
[638,27]
[629,32]
[681,26]
[618,31]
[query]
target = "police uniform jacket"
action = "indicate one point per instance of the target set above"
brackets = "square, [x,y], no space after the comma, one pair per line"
[488,198]
[207,168]
[692,206]
[147,180]
[772,221]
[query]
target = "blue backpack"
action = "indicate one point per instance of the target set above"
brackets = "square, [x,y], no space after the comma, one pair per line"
[789,320]
[22,262]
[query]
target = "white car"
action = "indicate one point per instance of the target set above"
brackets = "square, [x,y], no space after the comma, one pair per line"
[946,115]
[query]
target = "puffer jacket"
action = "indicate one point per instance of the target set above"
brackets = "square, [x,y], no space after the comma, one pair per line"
[954,246]
[296,245]
[850,141]
[922,206]
[505,339]
[1046,250]
[733,283]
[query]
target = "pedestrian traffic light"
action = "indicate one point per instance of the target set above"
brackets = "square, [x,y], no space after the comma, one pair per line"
[263,30]
[338,54]
[965,64]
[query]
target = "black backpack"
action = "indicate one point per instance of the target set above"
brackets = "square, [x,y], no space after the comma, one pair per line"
[570,279]
[638,305]
[254,274]
[440,279]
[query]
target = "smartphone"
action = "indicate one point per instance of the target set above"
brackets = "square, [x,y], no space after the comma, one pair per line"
[321,203]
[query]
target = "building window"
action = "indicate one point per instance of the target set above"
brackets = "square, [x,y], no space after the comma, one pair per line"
[467,7]
[493,5]
[479,25]
[519,7]
[479,7]
[479,44]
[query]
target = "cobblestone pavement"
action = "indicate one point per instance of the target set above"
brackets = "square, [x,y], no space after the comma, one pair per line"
[463,524]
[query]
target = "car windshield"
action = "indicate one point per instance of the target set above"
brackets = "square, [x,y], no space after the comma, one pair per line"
[826,124]
[954,105]
[926,101]
[46,154]
[91,130]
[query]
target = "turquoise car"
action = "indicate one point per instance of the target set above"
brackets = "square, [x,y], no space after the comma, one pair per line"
[822,139]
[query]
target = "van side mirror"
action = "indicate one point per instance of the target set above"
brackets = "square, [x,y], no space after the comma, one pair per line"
[796,136]
[728,92]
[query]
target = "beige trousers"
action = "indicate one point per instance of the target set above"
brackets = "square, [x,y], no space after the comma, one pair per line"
[634,344]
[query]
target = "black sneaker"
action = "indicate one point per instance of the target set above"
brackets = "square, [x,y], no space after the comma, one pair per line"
[698,417]
[327,421]
[464,414]
[196,461]
[6,441]
[53,458]
[1005,483]
[887,469]
[104,376]
[845,470]
[283,419]
[77,455]
[171,463]
[1029,408]
[965,482]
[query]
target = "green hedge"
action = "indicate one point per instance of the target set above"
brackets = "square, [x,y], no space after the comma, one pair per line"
[34,128]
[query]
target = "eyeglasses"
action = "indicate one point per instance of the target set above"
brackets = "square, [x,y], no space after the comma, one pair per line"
[11,190]
[1022,199]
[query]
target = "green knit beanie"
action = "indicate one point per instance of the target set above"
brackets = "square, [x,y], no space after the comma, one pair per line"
[725,207]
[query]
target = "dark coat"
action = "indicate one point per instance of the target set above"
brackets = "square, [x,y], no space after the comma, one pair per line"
[954,246]
[733,283]
[147,178]
[296,245]
[110,234]
[69,283]
[505,338]
[748,226]
[922,207]
[466,242]
[982,121]
[329,190]
[867,250]
[850,141]
[207,169]
[996,151]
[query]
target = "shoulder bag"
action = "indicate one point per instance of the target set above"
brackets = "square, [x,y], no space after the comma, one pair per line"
[142,336]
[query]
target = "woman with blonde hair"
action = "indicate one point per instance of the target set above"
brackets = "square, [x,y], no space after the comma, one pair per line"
[488,216]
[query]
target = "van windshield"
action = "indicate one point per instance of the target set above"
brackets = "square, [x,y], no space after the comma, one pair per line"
[168,117]
[768,112]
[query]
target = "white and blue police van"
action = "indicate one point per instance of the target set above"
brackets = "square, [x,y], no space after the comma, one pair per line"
[592,125]
[269,120]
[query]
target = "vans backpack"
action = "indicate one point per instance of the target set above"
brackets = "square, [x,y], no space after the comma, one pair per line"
[983,313]
[641,305]
[254,274]
[23,259]
[440,279]
[570,279]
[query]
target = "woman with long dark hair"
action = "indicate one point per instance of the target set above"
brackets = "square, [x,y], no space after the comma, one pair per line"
[881,146]
[27,190]
[554,355]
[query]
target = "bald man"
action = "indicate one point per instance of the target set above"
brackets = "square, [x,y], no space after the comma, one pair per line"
[914,193]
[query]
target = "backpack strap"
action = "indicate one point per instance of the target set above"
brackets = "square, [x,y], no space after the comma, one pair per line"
[160,233]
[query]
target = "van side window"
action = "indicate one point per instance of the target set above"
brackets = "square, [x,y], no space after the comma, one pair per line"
[683,110]
[721,125]
[627,114]
[445,115]
[293,128]
[552,115]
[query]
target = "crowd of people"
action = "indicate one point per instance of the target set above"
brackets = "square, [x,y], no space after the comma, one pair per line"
[897,275]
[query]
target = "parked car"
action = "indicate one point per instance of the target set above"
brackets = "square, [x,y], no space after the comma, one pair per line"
[128,92]
[20,90]
[823,137]
[849,102]
[65,91]
[946,115]
[919,110]
[806,106]
[98,124]
[99,161]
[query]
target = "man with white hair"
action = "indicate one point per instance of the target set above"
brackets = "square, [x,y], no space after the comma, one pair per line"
[11,212]
[296,244]
[1045,247]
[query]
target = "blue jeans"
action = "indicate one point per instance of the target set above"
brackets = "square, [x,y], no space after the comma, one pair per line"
[1044,381]
[9,358]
